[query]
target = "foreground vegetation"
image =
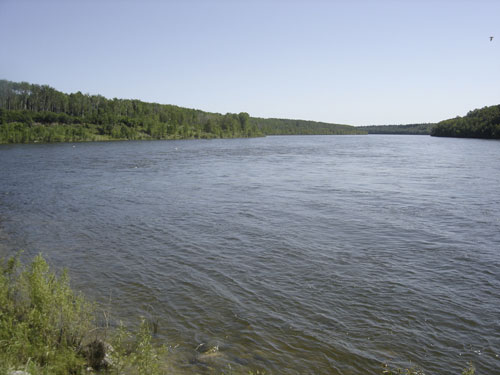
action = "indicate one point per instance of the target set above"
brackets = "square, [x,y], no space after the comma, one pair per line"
[46,328]
[479,123]
[33,113]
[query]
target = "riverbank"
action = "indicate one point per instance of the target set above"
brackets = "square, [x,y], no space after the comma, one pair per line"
[47,328]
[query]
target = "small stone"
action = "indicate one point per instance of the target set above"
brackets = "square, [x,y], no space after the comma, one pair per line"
[210,354]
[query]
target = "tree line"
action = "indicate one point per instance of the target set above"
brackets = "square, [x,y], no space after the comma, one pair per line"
[276,126]
[479,123]
[410,129]
[39,113]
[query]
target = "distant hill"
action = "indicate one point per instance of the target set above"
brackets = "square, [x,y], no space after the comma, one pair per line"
[39,113]
[276,126]
[418,129]
[479,123]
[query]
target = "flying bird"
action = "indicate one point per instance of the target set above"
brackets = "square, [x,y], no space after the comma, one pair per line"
[491,38]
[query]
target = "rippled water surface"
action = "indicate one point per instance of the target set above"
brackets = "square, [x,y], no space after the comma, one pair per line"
[293,255]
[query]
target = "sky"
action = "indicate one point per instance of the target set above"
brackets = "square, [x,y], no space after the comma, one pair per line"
[351,62]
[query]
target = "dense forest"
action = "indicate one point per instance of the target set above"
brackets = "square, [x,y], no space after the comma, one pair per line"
[415,129]
[39,113]
[479,123]
[34,113]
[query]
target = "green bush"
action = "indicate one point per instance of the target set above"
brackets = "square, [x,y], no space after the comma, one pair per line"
[47,328]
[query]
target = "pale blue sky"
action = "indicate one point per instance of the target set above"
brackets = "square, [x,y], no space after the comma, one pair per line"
[352,62]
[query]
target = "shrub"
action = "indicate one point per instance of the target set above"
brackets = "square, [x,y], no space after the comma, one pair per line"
[46,328]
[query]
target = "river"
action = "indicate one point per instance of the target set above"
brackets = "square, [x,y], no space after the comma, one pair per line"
[292,255]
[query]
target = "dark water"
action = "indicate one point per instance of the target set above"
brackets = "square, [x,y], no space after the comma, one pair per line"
[295,255]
